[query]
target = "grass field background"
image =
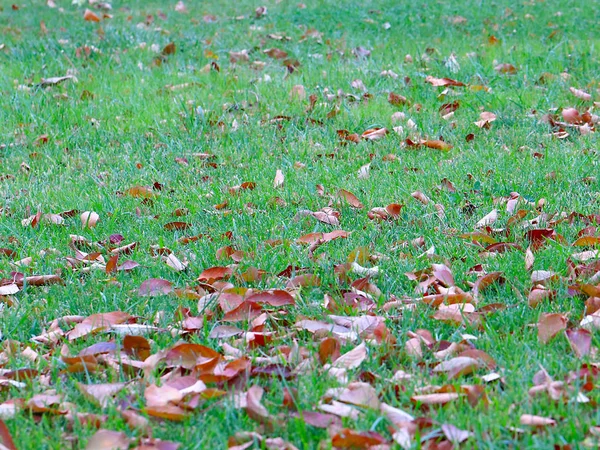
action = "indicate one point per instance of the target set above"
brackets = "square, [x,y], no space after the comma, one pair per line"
[137,114]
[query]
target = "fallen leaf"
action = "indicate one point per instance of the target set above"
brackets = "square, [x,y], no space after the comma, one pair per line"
[89,219]
[536,421]
[6,440]
[580,94]
[442,81]
[356,440]
[108,440]
[353,358]
[549,325]
[488,219]
[279,179]
[506,68]
[350,198]
[155,287]
[455,367]
[580,341]
[90,16]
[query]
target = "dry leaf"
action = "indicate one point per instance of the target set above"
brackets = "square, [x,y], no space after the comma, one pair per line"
[352,359]
[549,325]
[279,179]
[89,219]
[90,16]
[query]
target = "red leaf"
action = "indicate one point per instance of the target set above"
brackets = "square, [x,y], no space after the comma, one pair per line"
[273,298]
[246,311]
[213,274]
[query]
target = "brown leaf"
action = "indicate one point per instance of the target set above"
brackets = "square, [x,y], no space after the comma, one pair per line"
[442,81]
[275,53]
[580,94]
[549,325]
[169,49]
[111,265]
[43,280]
[329,349]
[6,440]
[580,341]
[506,68]
[352,359]
[136,346]
[356,440]
[254,407]
[418,195]
[435,399]
[100,394]
[108,440]
[455,367]
[396,99]
[360,394]
[571,115]
[172,226]
[529,259]
[323,237]
[135,420]
[390,212]
[155,287]
[350,198]
[90,16]
[374,134]
[319,420]
[536,421]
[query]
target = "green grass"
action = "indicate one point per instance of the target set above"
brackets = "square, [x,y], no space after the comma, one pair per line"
[120,126]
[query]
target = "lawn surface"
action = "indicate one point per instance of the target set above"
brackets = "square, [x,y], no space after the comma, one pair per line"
[216,200]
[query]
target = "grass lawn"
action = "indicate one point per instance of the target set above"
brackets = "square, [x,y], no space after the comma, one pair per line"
[204,204]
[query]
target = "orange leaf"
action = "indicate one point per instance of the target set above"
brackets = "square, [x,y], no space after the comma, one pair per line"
[586,241]
[90,16]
